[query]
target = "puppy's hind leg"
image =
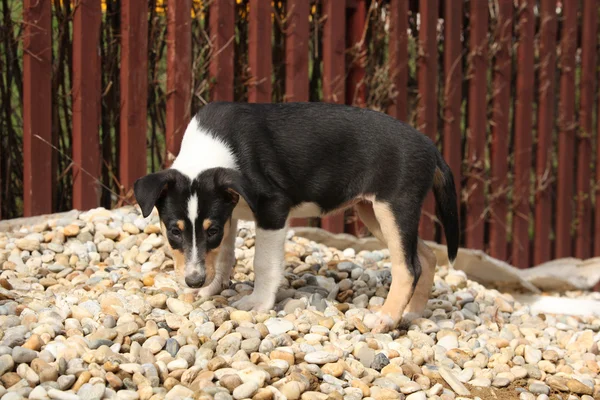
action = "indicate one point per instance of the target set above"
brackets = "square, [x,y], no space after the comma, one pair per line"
[418,301]
[399,225]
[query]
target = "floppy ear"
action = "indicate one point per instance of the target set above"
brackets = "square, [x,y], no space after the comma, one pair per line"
[233,185]
[148,189]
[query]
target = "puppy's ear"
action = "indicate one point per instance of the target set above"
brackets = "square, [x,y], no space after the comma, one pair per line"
[149,188]
[233,185]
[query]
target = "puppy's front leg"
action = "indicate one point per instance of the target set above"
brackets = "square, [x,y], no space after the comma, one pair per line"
[223,264]
[268,269]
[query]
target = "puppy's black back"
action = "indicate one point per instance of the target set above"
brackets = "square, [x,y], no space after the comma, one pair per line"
[322,152]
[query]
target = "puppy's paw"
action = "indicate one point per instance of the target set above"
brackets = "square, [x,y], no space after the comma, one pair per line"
[208,291]
[383,323]
[254,302]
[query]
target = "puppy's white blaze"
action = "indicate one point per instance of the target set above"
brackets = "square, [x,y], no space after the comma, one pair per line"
[201,151]
[192,216]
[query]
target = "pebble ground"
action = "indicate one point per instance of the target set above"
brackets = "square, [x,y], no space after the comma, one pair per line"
[90,308]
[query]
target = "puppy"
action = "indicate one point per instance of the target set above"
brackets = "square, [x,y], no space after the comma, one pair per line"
[270,162]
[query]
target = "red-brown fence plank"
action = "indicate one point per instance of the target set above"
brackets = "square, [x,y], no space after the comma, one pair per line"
[86,104]
[296,51]
[37,107]
[597,190]
[523,135]
[259,51]
[501,131]
[398,57]
[296,60]
[543,196]
[356,22]
[583,233]
[427,108]
[179,73]
[134,91]
[222,32]
[566,135]
[452,146]
[355,87]
[478,47]
[334,62]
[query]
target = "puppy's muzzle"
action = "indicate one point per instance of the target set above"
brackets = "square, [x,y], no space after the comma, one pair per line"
[195,279]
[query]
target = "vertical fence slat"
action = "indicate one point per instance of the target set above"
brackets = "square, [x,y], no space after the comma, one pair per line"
[501,131]
[222,31]
[259,51]
[86,104]
[547,85]
[179,73]
[566,135]
[296,60]
[452,147]
[296,51]
[334,61]
[134,91]
[597,190]
[427,108]
[37,106]
[478,48]
[583,234]
[523,135]
[398,56]
[355,87]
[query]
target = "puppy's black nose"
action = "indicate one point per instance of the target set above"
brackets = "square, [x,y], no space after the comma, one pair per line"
[195,280]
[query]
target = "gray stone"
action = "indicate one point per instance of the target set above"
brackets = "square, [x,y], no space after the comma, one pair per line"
[379,362]
[172,346]
[91,392]
[6,364]
[23,355]
[539,388]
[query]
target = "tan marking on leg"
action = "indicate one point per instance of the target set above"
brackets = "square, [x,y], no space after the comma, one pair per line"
[367,216]
[341,208]
[178,257]
[422,293]
[402,279]
[420,297]
[181,224]
[179,260]
[206,224]
[212,256]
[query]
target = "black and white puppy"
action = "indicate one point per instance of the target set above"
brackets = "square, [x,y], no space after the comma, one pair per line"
[270,162]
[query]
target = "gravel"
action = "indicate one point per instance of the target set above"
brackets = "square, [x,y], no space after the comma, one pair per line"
[90,308]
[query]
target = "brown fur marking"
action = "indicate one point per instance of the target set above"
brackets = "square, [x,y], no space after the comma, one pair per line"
[438,178]
[181,224]
[420,297]
[212,256]
[402,280]
[206,224]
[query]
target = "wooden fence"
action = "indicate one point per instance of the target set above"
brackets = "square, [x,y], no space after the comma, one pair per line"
[508,89]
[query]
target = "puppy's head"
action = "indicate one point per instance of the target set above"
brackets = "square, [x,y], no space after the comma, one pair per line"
[194,213]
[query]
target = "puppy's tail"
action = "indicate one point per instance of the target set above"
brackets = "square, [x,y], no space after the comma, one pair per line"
[445,198]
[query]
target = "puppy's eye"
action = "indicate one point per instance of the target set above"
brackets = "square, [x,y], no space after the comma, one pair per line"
[212,231]
[176,232]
